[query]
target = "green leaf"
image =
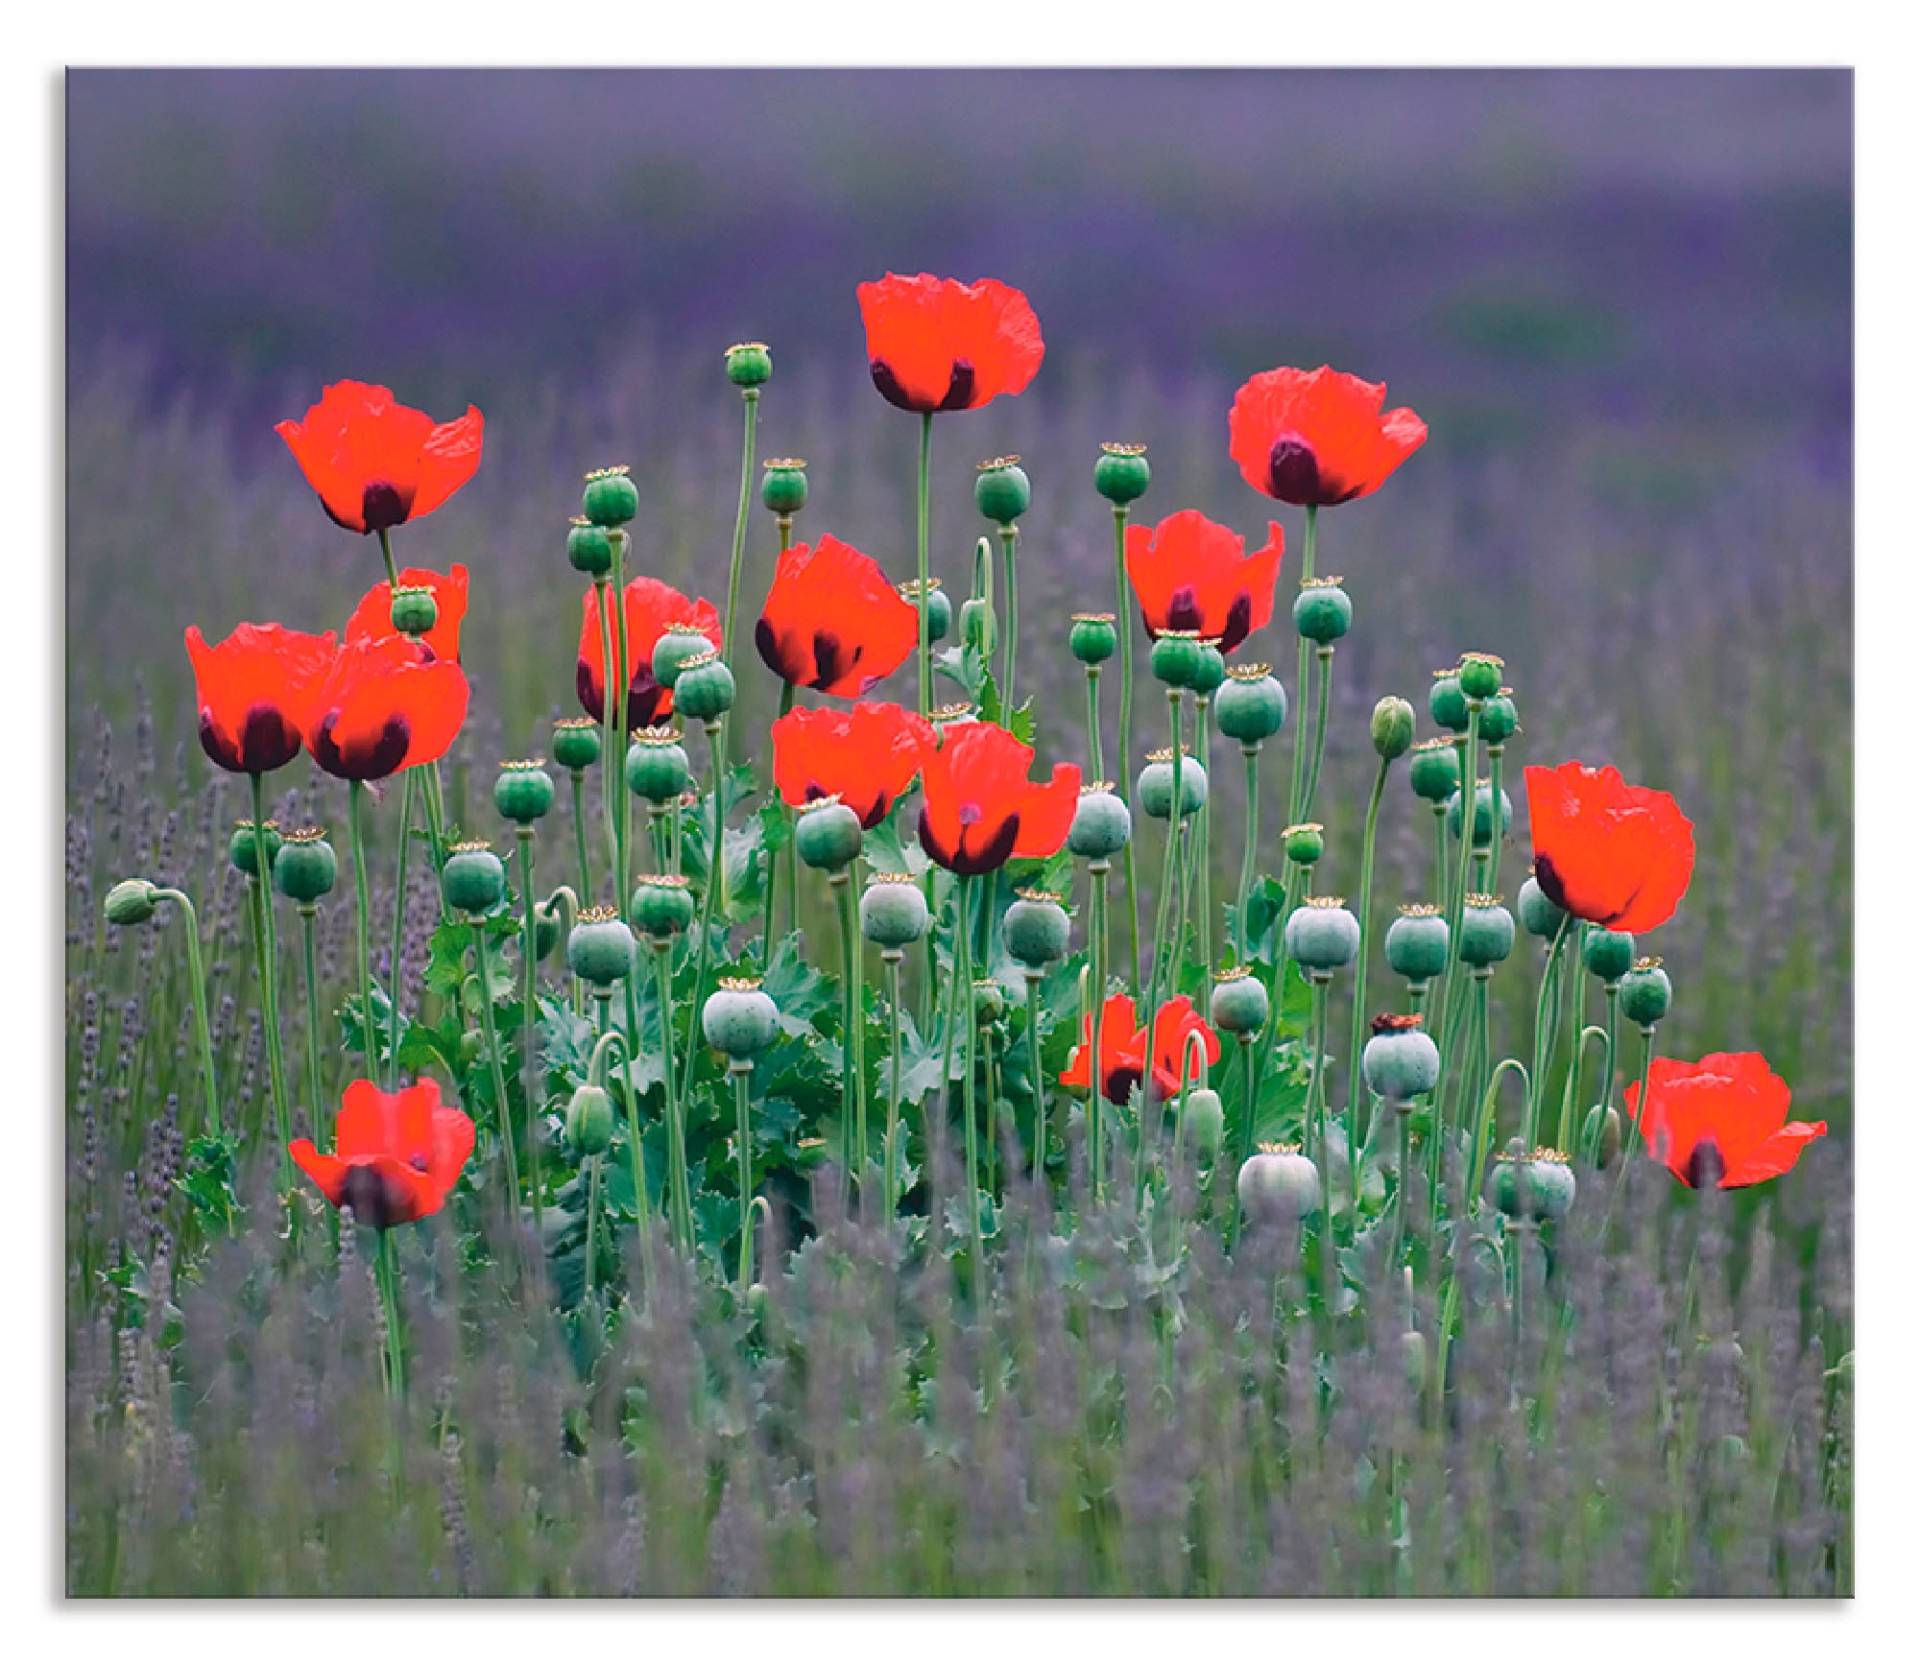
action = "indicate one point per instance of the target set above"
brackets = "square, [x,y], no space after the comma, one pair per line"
[800,991]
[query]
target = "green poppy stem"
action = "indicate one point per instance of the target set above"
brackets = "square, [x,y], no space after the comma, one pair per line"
[1097,872]
[1202,703]
[529,1062]
[750,397]
[853,1096]
[399,927]
[891,958]
[1359,1024]
[1038,1082]
[963,982]
[356,829]
[202,1034]
[1543,1031]
[269,960]
[1324,696]
[322,1132]
[743,1149]
[1296,796]
[1124,615]
[387,1275]
[615,760]
[580,835]
[1252,755]
[716,863]
[1009,541]
[636,1150]
[503,1109]
[922,508]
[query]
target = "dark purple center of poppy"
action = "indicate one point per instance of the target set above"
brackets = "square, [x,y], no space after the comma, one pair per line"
[367,758]
[267,741]
[1293,471]
[958,396]
[381,506]
[374,1199]
[1705,1166]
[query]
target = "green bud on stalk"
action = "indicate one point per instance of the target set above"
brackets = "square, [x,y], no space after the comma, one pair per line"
[576,742]
[590,1120]
[1092,639]
[306,867]
[827,835]
[1538,911]
[939,607]
[977,628]
[413,611]
[1154,788]
[610,498]
[243,849]
[1321,935]
[989,1001]
[783,488]
[1486,931]
[1417,944]
[589,547]
[1645,993]
[132,901]
[1499,718]
[1323,611]
[1035,928]
[523,790]
[1239,1004]
[1252,705]
[1447,701]
[1480,675]
[1001,490]
[1278,1185]
[1205,1120]
[473,879]
[703,690]
[1550,1184]
[1122,475]
[600,947]
[1304,843]
[1176,657]
[1607,1132]
[749,364]
[1434,772]
[1400,1061]
[740,1019]
[1391,728]
[662,906]
[1608,954]
[1210,669]
[678,644]
[1482,815]
[657,766]
[893,911]
[1102,823]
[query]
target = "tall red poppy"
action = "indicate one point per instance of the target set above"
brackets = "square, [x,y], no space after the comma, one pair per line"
[1190,573]
[385,704]
[1725,1115]
[374,615]
[377,463]
[1318,436]
[1124,1050]
[979,810]
[866,757]
[934,343]
[832,621]
[396,1154]
[1616,855]
[255,690]
[651,608]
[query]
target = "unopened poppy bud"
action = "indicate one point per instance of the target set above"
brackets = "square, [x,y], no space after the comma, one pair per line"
[893,911]
[1550,1184]
[413,610]
[132,901]
[1252,705]
[827,835]
[523,790]
[1323,611]
[1204,1119]
[1102,822]
[1001,490]
[1413,1358]
[1239,1004]
[677,644]
[1035,928]
[610,498]
[1482,815]
[590,1120]
[977,625]
[749,364]
[1486,931]
[704,688]
[1154,788]
[939,607]
[1417,944]
[1499,718]
[306,867]
[783,488]
[473,879]
[1608,954]
[661,906]
[1606,1131]
[1434,772]
[1321,935]
[1447,702]
[1539,912]
[1305,843]
[576,742]
[1645,993]
[1092,637]
[740,1018]
[657,766]
[1391,729]
[1209,670]
[589,547]
[989,1001]
[1480,675]
[1400,1061]
[546,933]
[1278,1185]
[1122,475]
[243,848]
[600,947]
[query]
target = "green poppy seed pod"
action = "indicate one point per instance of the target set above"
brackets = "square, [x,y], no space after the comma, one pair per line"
[827,835]
[1251,706]
[1205,1120]
[939,607]
[1209,670]
[1550,1184]
[989,1001]
[306,867]
[590,1120]
[1607,1131]
[1321,935]
[1102,822]
[1122,475]
[1400,1061]
[1092,637]
[1001,490]
[893,911]
[1499,718]
[657,766]
[576,742]
[783,488]
[1645,993]
[740,1018]
[977,628]
[473,879]
[589,547]
[749,364]
[1239,1003]
[610,498]
[523,790]
[600,947]
[1413,1358]
[1154,789]
[704,688]
[1035,929]
[1176,657]
[1447,702]
[243,848]
[413,611]
[1538,911]
[1486,931]
[1480,675]
[1434,771]
[132,901]
[1305,843]
[1608,954]
[1323,611]
[1391,728]
[1278,1185]
[678,643]
[1417,944]
[662,906]
[1482,815]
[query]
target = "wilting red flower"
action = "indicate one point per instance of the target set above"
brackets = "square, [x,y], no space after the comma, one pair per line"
[651,608]
[255,690]
[374,615]
[1318,436]
[1725,1115]
[866,757]
[979,810]
[376,463]
[396,1154]
[832,622]
[1616,855]
[385,704]
[934,343]
[1124,1050]
[1190,573]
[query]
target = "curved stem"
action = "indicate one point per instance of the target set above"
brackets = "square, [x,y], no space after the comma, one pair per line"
[1612,992]
[503,1108]
[636,1151]
[529,953]
[270,981]
[1360,986]
[922,510]
[750,396]
[399,926]
[1483,1122]
[202,1034]
[1125,615]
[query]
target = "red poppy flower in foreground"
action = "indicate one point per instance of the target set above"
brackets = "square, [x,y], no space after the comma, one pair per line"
[934,343]
[1124,1050]
[1725,1115]
[651,608]
[978,808]
[832,622]
[377,464]
[1616,855]
[374,615]
[255,690]
[866,757]
[1189,573]
[396,1154]
[1318,436]
[386,704]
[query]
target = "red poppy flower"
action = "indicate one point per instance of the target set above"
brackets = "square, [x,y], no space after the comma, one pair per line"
[377,464]
[866,757]
[1725,1115]
[1615,855]
[374,615]
[396,1154]
[979,810]
[1189,573]
[651,608]
[386,704]
[1318,436]
[255,690]
[832,622]
[1124,1051]
[934,343]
